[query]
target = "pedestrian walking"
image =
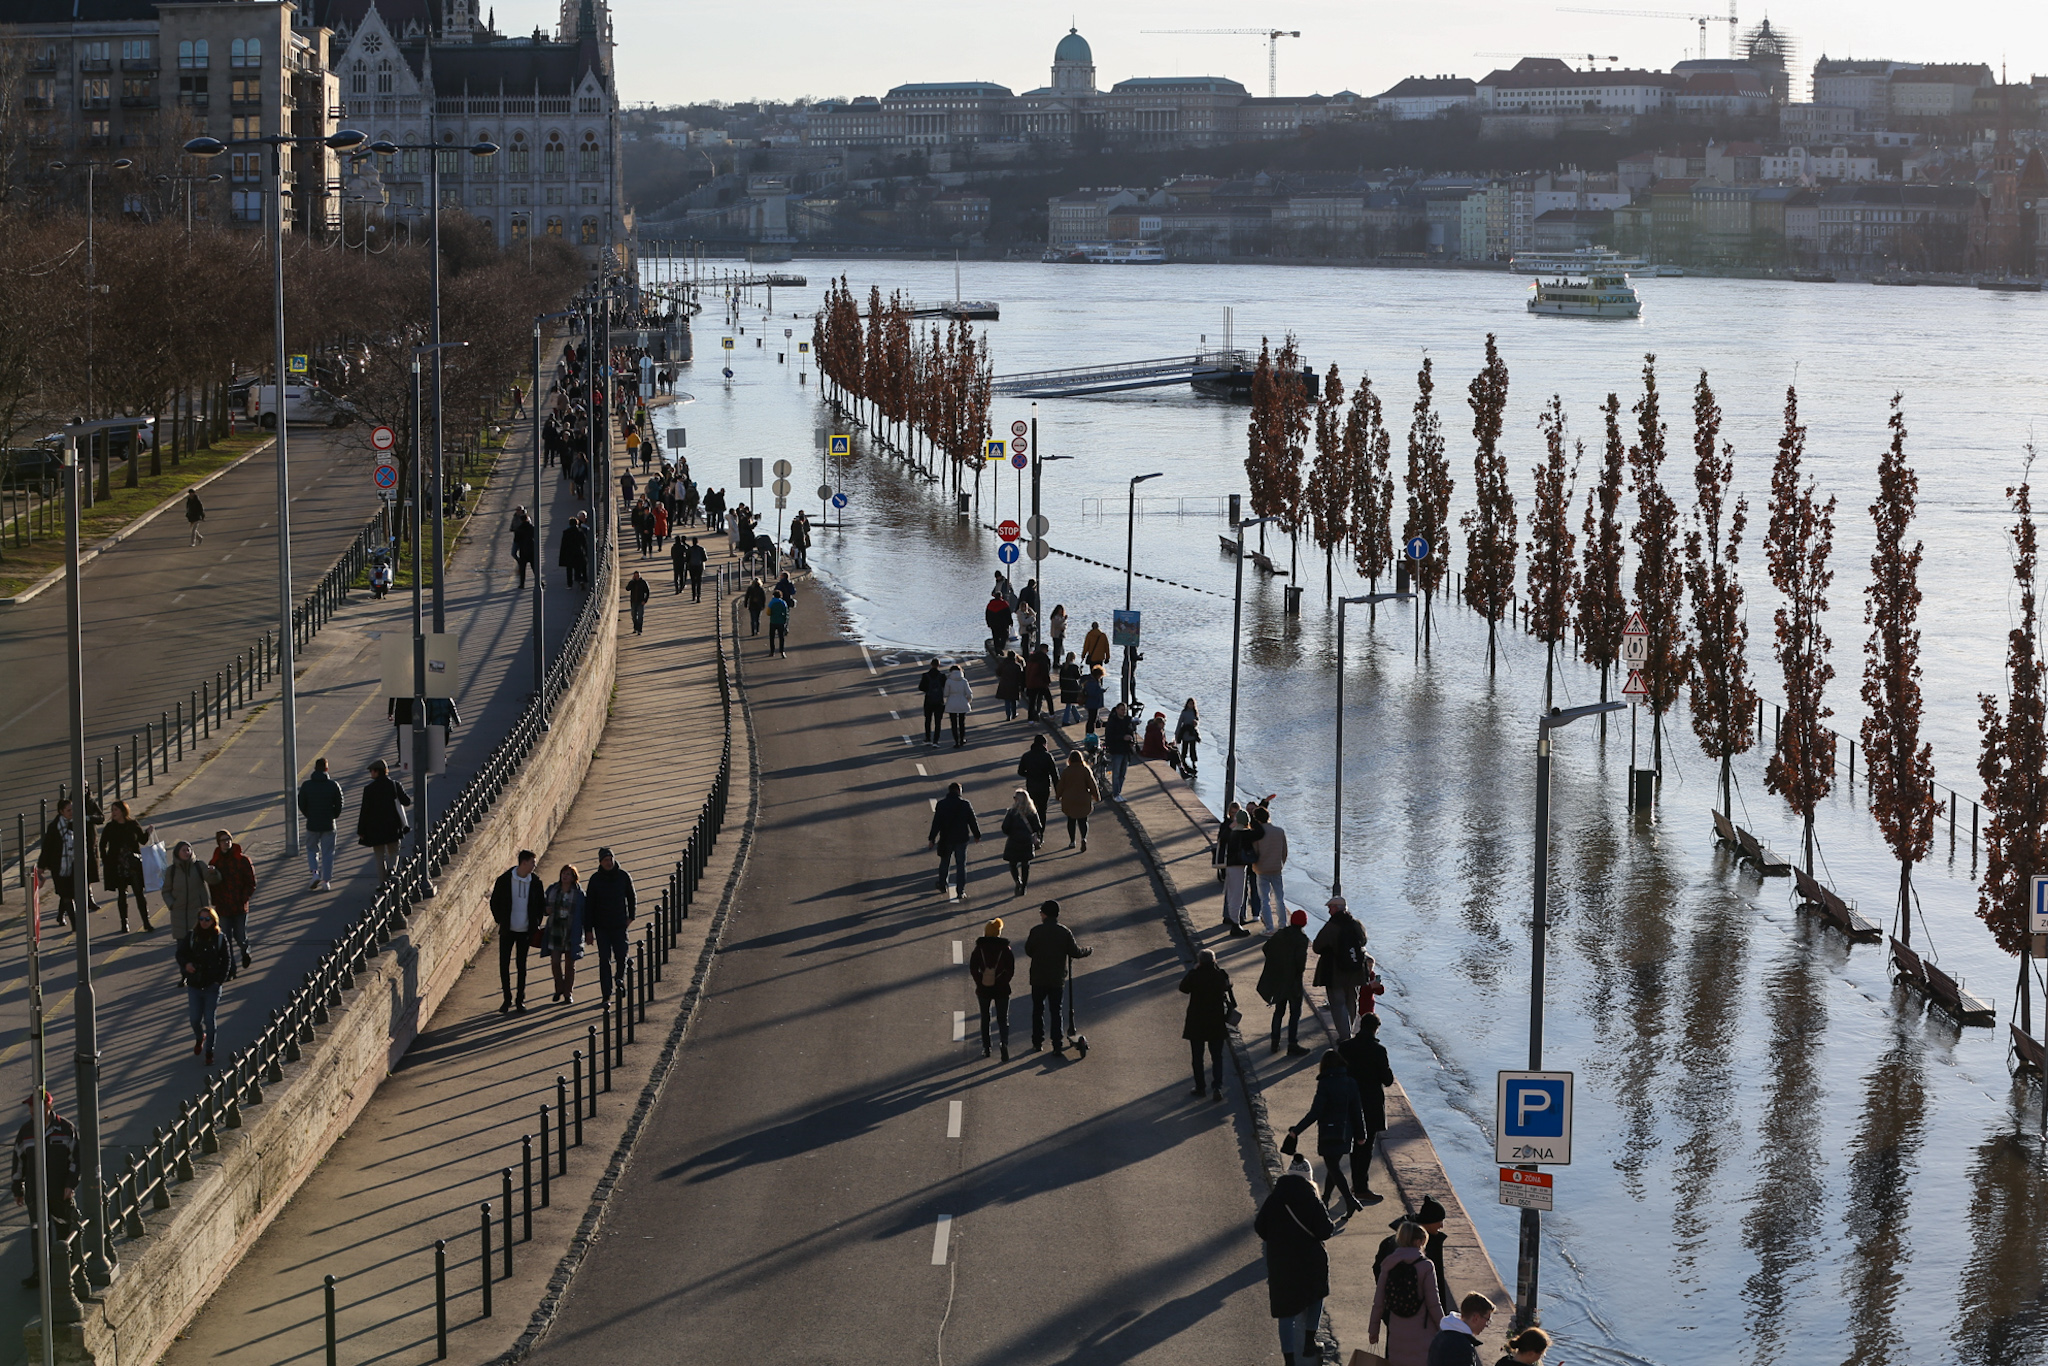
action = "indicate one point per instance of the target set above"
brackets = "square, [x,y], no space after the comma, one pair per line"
[1051,947]
[992,965]
[1373,1073]
[233,890]
[1027,627]
[1404,1300]
[381,820]
[195,513]
[1429,1217]
[574,555]
[1093,698]
[1340,963]
[1039,773]
[68,857]
[1056,627]
[1038,684]
[1070,691]
[637,593]
[1211,1003]
[1526,1348]
[660,526]
[1009,683]
[516,907]
[1078,795]
[1234,854]
[518,401]
[1280,983]
[524,547]
[1457,1337]
[778,625]
[320,805]
[562,934]
[932,684]
[953,827]
[800,542]
[679,563]
[1339,1119]
[1294,1224]
[121,843]
[1118,736]
[757,602]
[1022,832]
[698,556]
[998,616]
[204,962]
[187,890]
[60,1140]
[1270,865]
[608,908]
[1094,646]
[959,701]
[1187,733]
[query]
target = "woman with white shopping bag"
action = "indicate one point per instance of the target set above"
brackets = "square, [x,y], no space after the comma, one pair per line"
[122,841]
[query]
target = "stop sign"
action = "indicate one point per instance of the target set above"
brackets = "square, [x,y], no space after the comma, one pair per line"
[1007,530]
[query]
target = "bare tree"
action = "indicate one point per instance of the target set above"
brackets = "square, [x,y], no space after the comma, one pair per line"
[1490,525]
[1429,492]
[1723,700]
[1901,764]
[1603,610]
[1553,576]
[1660,573]
[1801,539]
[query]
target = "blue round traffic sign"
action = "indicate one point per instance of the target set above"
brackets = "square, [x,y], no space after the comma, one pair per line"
[1020,461]
[387,476]
[1418,548]
[1007,552]
[839,500]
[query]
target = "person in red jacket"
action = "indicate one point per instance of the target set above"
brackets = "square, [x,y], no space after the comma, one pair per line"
[232,893]
[992,965]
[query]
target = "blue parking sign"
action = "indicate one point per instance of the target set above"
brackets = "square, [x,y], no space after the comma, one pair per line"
[1533,1118]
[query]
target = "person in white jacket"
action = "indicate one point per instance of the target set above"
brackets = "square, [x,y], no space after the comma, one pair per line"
[959,701]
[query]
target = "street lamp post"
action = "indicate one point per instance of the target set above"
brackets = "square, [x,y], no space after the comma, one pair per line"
[1526,1270]
[1130,682]
[1337,793]
[540,637]
[288,688]
[1236,633]
[188,181]
[91,291]
[423,822]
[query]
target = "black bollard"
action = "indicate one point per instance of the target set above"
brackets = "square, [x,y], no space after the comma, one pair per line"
[484,1262]
[440,1299]
[526,1178]
[328,1284]
[576,1068]
[561,1126]
[506,1174]
[545,1161]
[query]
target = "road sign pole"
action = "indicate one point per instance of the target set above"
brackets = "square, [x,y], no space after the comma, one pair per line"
[1038,566]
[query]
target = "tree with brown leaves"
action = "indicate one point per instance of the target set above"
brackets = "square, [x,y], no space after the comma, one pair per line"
[1330,494]
[1429,493]
[1723,699]
[1490,543]
[1603,609]
[1660,571]
[1901,764]
[1553,577]
[1367,448]
[1801,538]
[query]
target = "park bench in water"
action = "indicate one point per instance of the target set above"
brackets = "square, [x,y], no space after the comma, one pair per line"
[1834,910]
[1938,987]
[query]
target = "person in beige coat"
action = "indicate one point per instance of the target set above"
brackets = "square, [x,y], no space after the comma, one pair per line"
[188,889]
[1078,795]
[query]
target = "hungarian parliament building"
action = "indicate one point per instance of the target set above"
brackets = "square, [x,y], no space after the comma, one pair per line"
[1150,111]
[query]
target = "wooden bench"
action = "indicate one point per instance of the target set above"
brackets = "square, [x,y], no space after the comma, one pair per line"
[1944,991]
[1767,862]
[2033,1058]
[1724,833]
[1834,910]
[1910,972]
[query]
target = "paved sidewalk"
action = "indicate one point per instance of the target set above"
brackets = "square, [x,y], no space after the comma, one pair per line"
[429,1148]
[147,1065]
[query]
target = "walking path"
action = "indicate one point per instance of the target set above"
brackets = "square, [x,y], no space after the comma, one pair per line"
[429,1148]
[147,1065]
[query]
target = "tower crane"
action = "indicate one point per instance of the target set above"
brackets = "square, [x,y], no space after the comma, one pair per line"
[1691,18]
[1271,35]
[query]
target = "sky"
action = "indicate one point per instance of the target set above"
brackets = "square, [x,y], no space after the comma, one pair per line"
[672,53]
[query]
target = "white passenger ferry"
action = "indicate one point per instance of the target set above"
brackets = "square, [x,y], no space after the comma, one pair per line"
[1124,254]
[1581,262]
[1599,295]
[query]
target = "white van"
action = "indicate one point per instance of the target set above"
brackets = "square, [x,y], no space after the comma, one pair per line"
[303,403]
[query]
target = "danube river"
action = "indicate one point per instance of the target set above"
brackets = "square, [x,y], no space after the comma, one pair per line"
[1780,1158]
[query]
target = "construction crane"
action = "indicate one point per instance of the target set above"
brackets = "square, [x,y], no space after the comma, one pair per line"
[1691,18]
[1271,35]
[1587,57]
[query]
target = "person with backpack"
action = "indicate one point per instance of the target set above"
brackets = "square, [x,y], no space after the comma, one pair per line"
[992,965]
[1404,1300]
[757,602]
[195,513]
[1340,963]
[1038,685]
[1339,1118]
[1294,1224]
[1039,773]
[1429,1217]
[1207,1022]
[778,626]
[1070,690]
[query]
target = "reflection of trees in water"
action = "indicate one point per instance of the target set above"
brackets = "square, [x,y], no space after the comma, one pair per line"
[1883,1158]
[2002,1303]
[1710,1024]
[1785,1208]
[1492,859]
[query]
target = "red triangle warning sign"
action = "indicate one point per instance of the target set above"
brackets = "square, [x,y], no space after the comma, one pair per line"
[1635,687]
[1635,625]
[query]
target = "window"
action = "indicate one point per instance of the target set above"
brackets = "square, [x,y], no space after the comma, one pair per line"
[587,105]
[384,76]
[245,52]
[554,158]
[94,56]
[589,154]
[451,197]
[590,232]
[409,162]
[138,52]
[245,126]
[554,227]
[97,132]
[245,166]
[137,89]
[554,194]
[192,91]
[517,195]
[95,92]
[248,206]
[590,194]
[448,162]
[246,90]
[519,228]
[359,80]
[484,196]
[519,162]
[192,54]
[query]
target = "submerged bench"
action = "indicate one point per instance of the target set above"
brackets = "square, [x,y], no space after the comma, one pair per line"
[2033,1058]
[1939,988]
[1834,910]
[1766,859]
[1724,832]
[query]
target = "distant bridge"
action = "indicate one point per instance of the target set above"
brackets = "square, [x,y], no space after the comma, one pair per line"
[1160,373]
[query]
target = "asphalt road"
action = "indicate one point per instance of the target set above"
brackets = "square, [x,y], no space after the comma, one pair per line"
[833,1177]
[162,614]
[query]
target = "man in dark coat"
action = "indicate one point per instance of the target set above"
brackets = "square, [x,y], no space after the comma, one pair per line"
[1039,773]
[696,568]
[575,553]
[992,965]
[608,908]
[516,906]
[1457,1342]
[637,593]
[62,1141]
[381,820]
[1294,1224]
[679,561]
[932,683]
[1280,982]
[953,828]
[68,856]
[1049,946]
[523,549]
[1366,1058]
[1431,1218]
[998,616]
[321,803]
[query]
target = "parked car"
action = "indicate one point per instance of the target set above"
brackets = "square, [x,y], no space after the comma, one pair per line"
[303,403]
[27,466]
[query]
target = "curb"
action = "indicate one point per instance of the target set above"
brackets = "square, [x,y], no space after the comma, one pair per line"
[85,557]
[550,1306]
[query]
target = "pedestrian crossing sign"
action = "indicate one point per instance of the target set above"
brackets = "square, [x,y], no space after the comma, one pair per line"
[992,449]
[295,364]
[841,445]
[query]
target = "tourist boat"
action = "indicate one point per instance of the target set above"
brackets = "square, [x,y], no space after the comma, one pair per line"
[1124,254]
[1671,272]
[2011,286]
[1598,295]
[1583,261]
[1811,277]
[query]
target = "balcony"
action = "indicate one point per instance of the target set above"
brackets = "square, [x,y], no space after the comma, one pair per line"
[43,63]
[37,102]
[140,101]
[95,102]
[138,64]
[95,64]
[194,99]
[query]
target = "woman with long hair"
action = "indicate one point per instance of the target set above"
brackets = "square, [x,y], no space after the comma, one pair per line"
[1022,831]
[561,932]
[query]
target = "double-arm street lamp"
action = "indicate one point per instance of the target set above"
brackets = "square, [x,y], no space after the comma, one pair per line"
[1532,1226]
[1337,794]
[287,684]
[1236,634]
